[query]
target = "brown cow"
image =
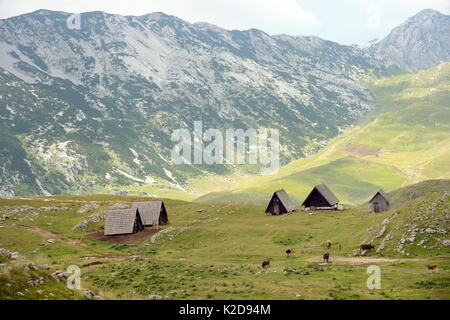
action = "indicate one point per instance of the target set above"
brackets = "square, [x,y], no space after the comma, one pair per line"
[288,252]
[366,247]
[432,267]
[328,244]
[326,256]
[266,263]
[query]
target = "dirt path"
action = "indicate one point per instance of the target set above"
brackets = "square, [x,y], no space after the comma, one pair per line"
[51,235]
[363,260]
[48,234]
[77,243]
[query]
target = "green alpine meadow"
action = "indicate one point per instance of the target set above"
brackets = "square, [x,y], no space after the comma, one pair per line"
[135,152]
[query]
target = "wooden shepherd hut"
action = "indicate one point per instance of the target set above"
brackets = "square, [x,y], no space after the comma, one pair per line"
[153,213]
[380,202]
[321,198]
[123,221]
[280,203]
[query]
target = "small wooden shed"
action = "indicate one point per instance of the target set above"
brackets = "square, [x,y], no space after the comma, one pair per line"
[280,203]
[321,198]
[123,221]
[152,212]
[380,202]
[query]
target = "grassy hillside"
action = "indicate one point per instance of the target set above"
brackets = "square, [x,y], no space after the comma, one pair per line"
[404,195]
[419,227]
[405,140]
[217,253]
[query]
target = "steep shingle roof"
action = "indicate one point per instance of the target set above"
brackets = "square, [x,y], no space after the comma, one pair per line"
[120,221]
[383,194]
[326,193]
[149,210]
[285,200]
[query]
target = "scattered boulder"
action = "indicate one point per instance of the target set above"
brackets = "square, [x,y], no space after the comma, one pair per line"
[35,282]
[88,294]
[12,255]
[383,242]
[54,208]
[59,275]
[155,297]
[381,233]
[18,213]
[88,207]
[119,205]
[31,266]
[95,218]
[155,238]
[437,230]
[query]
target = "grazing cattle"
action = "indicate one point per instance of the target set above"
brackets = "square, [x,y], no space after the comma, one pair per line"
[366,247]
[326,256]
[288,252]
[432,267]
[266,263]
[328,244]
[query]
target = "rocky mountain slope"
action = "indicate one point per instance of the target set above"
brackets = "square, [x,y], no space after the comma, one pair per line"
[420,42]
[94,108]
[404,140]
[418,227]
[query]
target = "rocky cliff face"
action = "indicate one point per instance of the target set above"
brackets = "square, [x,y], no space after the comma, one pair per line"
[96,106]
[420,42]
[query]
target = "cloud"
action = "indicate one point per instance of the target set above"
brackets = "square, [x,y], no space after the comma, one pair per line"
[374,18]
[417,5]
[271,15]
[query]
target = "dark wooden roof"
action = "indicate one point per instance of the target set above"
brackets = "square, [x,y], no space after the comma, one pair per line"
[326,193]
[149,210]
[383,194]
[285,200]
[120,221]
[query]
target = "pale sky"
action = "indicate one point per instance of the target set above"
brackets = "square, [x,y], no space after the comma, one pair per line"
[343,21]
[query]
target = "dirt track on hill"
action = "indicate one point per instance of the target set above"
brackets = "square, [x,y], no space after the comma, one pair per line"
[51,235]
[362,260]
[74,242]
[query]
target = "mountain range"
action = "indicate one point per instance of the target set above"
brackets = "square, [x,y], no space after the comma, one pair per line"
[402,141]
[92,109]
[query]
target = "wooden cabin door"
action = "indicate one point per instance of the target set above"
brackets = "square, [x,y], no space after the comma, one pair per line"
[376,208]
[276,206]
